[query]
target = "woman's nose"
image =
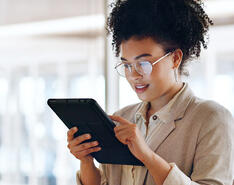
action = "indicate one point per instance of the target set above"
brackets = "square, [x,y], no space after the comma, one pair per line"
[134,75]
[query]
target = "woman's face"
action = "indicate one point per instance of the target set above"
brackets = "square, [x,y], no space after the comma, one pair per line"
[161,80]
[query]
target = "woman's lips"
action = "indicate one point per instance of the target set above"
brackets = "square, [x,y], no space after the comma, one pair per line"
[141,88]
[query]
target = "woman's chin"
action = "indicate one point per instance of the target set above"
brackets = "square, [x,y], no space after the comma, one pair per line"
[143,98]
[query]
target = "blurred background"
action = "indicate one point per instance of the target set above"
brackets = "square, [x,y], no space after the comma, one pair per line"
[58,49]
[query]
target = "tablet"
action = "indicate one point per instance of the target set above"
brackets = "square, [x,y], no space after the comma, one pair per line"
[88,116]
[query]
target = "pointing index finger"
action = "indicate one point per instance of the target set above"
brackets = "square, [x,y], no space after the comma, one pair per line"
[120,120]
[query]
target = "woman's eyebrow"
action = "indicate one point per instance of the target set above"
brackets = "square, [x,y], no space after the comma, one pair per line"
[136,58]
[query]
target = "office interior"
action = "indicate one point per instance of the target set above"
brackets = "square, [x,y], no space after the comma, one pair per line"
[59,49]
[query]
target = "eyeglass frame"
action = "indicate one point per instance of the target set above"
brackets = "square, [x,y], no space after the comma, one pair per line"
[152,64]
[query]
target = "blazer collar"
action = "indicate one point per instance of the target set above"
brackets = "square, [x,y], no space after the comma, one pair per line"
[180,106]
[174,110]
[176,113]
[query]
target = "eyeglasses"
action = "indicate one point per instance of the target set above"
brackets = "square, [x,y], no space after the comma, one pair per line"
[141,67]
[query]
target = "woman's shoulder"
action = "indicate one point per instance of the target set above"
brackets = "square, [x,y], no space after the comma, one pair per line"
[210,107]
[210,112]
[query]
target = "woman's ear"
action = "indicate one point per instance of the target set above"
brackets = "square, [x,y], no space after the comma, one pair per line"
[177,58]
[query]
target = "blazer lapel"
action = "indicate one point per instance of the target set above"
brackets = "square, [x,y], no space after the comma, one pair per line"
[159,135]
[177,112]
[154,140]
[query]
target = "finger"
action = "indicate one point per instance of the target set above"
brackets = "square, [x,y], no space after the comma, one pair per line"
[122,140]
[78,140]
[87,152]
[71,132]
[124,137]
[120,120]
[84,146]
[124,134]
[123,127]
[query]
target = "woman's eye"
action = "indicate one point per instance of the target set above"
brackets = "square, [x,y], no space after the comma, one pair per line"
[144,63]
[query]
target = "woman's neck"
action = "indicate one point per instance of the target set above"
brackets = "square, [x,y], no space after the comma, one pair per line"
[157,104]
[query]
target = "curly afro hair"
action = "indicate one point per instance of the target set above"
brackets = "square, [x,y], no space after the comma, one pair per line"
[172,23]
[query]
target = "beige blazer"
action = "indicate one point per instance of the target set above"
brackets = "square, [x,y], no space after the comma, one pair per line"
[198,138]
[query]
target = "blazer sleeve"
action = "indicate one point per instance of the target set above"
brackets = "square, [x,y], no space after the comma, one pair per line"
[214,157]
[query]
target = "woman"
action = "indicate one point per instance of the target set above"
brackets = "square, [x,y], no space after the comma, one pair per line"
[180,138]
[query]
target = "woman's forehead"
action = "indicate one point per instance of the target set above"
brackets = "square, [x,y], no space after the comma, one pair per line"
[135,48]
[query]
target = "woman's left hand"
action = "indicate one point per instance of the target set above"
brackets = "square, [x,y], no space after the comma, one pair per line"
[128,133]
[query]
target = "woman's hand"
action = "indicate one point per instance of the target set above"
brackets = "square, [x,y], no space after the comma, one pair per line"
[81,150]
[129,134]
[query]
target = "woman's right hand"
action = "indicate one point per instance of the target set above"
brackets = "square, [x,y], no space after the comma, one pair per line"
[81,150]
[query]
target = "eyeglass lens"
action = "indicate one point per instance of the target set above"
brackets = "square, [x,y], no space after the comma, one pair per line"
[143,68]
